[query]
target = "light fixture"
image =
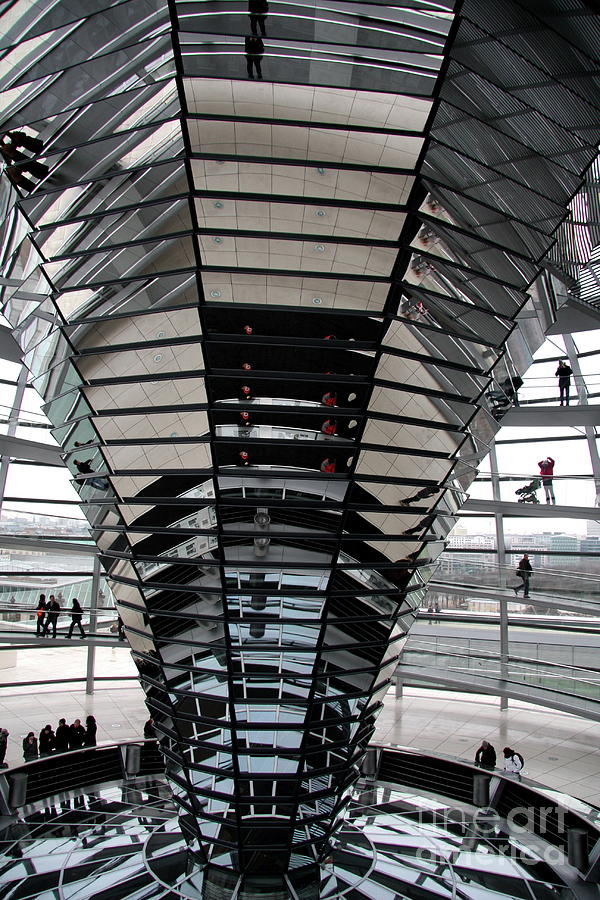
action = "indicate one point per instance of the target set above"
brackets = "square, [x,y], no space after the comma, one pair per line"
[218,204]
[321,212]
[160,334]
[173,434]
[215,293]
[320,170]
[158,357]
[317,301]
[218,240]
[320,248]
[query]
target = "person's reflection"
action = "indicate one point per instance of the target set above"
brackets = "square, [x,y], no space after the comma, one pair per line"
[258,10]
[254,53]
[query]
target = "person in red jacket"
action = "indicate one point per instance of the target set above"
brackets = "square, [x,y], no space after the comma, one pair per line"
[329,426]
[329,399]
[328,466]
[247,329]
[244,458]
[246,392]
[547,471]
[246,366]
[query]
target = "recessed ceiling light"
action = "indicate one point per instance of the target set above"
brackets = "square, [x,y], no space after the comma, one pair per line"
[316,300]
[321,212]
[173,434]
[218,204]
[321,171]
[160,334]
[320,248]
[158,357]
[218,240]
[215,293]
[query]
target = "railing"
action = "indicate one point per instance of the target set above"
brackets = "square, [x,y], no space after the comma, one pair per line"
[61,772]
[524,806]
[566,823]
[542,390]
[569,490]
[459,575]
[472,660]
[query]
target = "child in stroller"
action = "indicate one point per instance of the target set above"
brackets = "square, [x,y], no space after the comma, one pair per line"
[527,494]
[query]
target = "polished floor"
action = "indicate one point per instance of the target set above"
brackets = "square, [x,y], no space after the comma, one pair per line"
[560,750]
[124,841]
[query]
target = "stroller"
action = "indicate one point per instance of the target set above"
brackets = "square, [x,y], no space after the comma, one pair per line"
[527,494]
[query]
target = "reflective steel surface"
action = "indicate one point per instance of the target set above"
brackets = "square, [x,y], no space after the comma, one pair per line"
[124,841]
[261,267]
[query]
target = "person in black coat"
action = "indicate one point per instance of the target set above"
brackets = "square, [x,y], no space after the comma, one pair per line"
[30,747]
[76,735]
[3,747]
[563,373]
[149,732]
[52,614]
[22,139]
[258,10]
[524,571]
[90,732]
[486,756]
[47,741]
[61,738]
[40,616]
[254,48]
[76,614]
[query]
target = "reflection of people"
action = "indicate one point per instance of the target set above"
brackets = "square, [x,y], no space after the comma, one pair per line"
[18,165]
[547,471]
[84,467]
[22,139]
[563,373]
[254,48]
[258,10]
[524,571]
[328,465]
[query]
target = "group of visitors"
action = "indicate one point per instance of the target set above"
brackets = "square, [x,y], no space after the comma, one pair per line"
[47,616]
[18,165]
[66,737]
[486,758]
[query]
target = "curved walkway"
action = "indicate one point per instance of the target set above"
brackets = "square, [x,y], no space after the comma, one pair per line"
[561,751]
[530,416]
